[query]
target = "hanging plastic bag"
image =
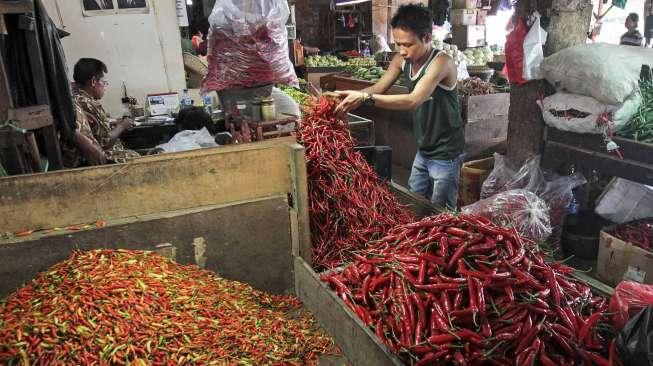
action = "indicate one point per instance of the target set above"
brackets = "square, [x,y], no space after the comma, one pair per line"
[533,51]
[516,208]
[515,53]
[635,340]
[248,45]
[628,299]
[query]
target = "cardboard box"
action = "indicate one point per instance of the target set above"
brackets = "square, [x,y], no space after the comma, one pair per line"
[465,36]
[463,17]
[464,4]
[619,260]
[481,16]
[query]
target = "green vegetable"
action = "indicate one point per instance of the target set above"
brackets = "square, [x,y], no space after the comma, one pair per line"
[640,127]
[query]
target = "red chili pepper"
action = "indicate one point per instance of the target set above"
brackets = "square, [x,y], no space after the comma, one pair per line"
[587,327]
[460,360]
[421,318]
[442,339]
[430,358]
[422,272]
[456,255]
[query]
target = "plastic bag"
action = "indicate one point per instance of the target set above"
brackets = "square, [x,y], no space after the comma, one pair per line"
[608,73]
[248,45]
[635,340]
[516,208]
[515,53]
[285,106]
[533,51]
[189,140]
[628,299]
[623,201]
[504,177]
[555,190]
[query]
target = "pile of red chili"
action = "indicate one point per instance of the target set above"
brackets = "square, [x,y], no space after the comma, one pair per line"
[133,307]
[459,290]
[639,233]
[349,204]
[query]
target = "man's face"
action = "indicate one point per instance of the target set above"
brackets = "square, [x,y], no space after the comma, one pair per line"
[98,86]
[630,25]
[409,45]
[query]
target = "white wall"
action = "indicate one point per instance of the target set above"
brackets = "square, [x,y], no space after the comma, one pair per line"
[141,50]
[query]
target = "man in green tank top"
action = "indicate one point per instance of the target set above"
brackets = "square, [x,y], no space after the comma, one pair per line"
[433,99]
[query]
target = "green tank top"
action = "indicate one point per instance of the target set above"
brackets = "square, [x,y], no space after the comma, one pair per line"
[437,123]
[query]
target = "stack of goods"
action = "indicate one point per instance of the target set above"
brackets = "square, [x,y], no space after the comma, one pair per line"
[348,203]
[460,290]
[323,61]
[451,50]
[469,87]
[601,84]
[247,49]
[468,24]
[372,74]
[354,64]
[133,307]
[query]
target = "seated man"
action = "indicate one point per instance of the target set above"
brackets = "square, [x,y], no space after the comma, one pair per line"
[93,130]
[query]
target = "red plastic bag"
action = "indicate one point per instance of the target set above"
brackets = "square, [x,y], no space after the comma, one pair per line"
[628,299]
[515,53]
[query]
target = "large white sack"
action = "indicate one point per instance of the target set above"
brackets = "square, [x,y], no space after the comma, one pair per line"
[554,106]
[608,73]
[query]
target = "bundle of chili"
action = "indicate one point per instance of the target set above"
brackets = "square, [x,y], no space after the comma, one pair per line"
[460,290]
[133,307]
[349,204]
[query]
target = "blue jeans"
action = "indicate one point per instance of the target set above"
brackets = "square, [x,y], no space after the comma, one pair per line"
[436,179]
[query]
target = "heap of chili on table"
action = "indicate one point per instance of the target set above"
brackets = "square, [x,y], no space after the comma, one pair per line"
[449,289]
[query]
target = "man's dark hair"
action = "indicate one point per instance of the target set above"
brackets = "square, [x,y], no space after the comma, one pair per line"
[633,17]
[193,118]
[87,68]
[415,18]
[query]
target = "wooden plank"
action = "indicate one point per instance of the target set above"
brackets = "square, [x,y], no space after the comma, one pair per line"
[357,342]
[488,107]
[342,82]
[145,186]
[16,7]
[420,206]
[631,149]
[31,118]
[51,141]
[302,233]
[256,251]
[556,155]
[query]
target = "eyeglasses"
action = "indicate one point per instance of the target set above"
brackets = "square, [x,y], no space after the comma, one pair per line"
[103,82]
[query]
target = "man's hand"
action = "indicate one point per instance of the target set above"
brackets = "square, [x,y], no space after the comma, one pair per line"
[125,123]
[352,100]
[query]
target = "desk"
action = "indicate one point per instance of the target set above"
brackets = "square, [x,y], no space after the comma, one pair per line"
[147,136]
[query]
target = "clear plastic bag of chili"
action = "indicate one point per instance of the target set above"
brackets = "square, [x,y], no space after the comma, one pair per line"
[516,208]
[248,45]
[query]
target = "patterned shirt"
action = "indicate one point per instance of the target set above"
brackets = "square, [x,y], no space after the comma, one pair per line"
[632,38]
[97,121]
